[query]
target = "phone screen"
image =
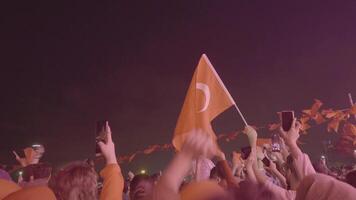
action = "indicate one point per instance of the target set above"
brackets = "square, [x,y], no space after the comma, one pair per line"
[100,135]
[276,145]
[245,152]
[266,161]
[287,118]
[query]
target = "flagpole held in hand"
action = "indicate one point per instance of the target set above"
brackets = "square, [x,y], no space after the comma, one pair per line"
[242,117]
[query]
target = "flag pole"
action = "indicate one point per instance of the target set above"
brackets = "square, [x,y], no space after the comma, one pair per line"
[240,113]
[351,102]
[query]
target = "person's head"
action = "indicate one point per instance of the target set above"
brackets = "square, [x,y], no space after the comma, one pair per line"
[217,175]
[351,178]
[155,177]
[141,187]
[76,181]
[37,171]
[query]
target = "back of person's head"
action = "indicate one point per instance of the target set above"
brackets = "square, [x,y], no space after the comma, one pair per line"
[7,187]
[217,174]
[32,193]
[141,187]
[351,178]
[37,171]
[155,177]
[77,181]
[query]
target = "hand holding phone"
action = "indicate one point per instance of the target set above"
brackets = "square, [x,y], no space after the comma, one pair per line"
[266,161]
[290,127]
[108,147]
[100,135]
[276,146]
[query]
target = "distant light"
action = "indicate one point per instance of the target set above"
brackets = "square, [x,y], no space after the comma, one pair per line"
[322,157]
[36,145]
[20,172]
[143,171]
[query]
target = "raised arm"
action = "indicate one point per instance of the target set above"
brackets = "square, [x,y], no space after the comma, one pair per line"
[196,144]
[252,159]
[301,161]
[273,169]
[113,179]
[291,137]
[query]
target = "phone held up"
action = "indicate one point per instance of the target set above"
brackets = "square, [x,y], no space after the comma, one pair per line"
[100,135]
[276,143]
[287,118]
[266,161]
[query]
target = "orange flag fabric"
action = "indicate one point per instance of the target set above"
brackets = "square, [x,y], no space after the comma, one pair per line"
[206,98]
[262,141]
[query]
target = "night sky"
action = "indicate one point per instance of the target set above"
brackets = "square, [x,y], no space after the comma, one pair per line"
[66,65]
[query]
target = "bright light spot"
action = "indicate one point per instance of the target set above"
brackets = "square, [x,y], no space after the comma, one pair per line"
[20,172]
[143,171]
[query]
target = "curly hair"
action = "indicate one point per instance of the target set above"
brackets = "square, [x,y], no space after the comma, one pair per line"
[77,181]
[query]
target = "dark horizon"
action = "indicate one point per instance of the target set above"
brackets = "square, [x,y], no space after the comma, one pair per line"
[67,64]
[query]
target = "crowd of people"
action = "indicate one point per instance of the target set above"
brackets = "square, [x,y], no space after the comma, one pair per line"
[258,172]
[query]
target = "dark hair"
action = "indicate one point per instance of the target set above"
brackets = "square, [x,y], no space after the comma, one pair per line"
[351,178]
[37,171]
[216,172]
[138,178]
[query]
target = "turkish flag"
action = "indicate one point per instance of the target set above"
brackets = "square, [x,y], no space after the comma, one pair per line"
[206,98]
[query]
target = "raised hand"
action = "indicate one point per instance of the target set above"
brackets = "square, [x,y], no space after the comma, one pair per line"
[251,134]
[198,143]
[108,148]
[22,161]
[291,136]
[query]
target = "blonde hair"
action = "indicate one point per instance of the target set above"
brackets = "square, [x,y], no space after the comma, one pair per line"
[77,181]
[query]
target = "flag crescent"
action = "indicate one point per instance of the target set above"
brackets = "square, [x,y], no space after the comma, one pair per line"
[205,89]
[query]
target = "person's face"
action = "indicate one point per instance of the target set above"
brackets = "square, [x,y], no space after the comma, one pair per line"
[142,191]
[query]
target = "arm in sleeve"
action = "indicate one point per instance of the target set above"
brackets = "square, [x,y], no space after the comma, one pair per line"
[113,183]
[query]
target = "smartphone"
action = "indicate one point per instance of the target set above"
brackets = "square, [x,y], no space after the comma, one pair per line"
[287,118]
[276,143]
[266,161]
[100,135]
[245,152]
